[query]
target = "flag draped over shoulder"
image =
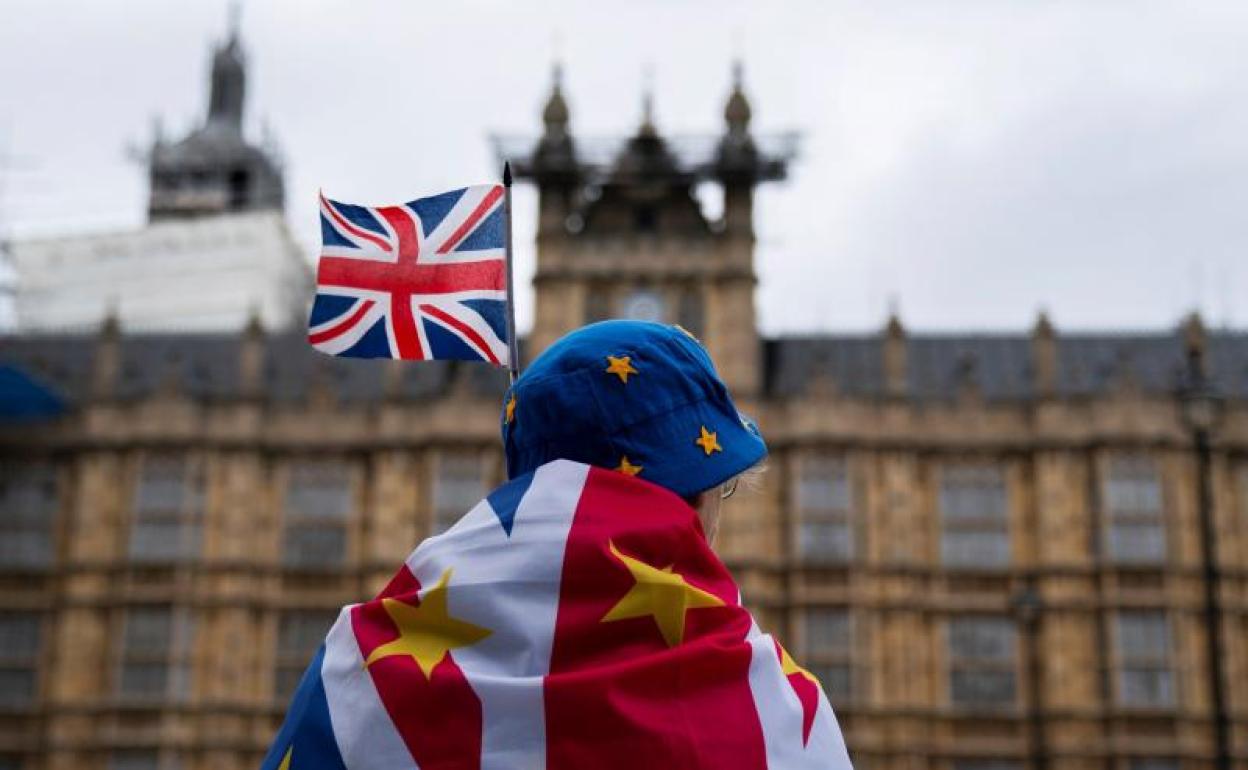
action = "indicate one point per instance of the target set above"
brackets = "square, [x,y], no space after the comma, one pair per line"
[422,280]
[574,618]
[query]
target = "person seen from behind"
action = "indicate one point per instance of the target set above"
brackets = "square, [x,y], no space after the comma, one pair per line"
[578,616]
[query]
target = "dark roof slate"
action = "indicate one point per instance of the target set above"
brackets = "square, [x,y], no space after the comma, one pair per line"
[854,365]
[999,366]
[61,362]
[207,367]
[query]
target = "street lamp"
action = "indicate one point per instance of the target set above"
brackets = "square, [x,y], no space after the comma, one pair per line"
[1200,407]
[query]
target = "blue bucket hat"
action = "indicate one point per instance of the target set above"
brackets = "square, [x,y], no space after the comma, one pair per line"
[637,397]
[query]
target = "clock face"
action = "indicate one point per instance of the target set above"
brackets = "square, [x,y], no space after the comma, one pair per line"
[644,305]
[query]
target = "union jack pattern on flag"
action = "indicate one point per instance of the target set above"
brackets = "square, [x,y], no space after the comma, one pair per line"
[422,280]
[575,618]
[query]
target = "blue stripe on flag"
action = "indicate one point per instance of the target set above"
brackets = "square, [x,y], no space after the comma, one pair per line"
[307,733]
[506,499]
[447,345]
[331,237]
[488,235]
[374,344]
[329,306]
[433,210]
[360,217]
[493,311]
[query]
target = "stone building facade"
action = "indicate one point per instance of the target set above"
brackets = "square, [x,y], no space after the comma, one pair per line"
[987,546]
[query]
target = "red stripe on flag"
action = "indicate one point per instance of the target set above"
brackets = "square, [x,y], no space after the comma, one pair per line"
[617,695]
[337,329]
[462,328]
[350,228]
[438,718]
[403,582]
[406,336]
[807,692]
[466,226]
[414,278]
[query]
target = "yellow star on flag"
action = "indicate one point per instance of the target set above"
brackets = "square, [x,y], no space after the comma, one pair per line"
[709,441]
[789,666]
[511,409]
[661,594]
[428,632]
[285,765]
[627,468]
[621,366]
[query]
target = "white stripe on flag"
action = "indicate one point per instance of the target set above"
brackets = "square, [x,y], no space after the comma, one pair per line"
[450,223]
[474,321]
[367,738]
[350,337]
[780,713]
[510,585]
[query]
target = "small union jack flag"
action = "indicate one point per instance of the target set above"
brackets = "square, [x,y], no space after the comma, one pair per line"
[423,280]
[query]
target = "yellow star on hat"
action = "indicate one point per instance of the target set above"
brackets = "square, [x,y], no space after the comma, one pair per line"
[659,593]
[627,468]
[621,366]
[511,409]
[709,441]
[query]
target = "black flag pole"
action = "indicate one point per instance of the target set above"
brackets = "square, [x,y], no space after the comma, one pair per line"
[513,346]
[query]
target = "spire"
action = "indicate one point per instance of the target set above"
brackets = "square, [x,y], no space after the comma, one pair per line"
[251,354]
[738,163]
[647,128]
[738,155]
[1044,356]
[235,19]
[1194,341]
[646,155]
[228,83]
[895,346]
[737,110]
[555,113]
[553,163]
[106,365]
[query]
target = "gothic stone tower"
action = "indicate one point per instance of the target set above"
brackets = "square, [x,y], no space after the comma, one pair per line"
[621,233]
[214,170]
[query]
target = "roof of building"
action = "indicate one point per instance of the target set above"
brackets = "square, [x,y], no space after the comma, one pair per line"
[24,398]
[216,144]
[1000,366]
[207,367]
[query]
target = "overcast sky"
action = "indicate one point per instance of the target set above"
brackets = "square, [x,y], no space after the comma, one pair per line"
[972,162]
